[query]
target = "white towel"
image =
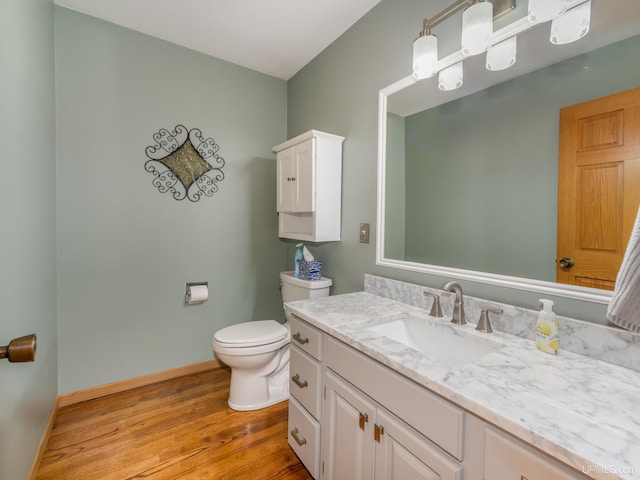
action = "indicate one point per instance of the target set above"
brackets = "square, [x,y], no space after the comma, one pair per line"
[624,308]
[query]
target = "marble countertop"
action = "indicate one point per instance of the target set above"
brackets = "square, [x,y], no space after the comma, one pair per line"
[582,411]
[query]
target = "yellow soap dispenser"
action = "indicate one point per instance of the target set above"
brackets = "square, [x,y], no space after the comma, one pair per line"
[547,337]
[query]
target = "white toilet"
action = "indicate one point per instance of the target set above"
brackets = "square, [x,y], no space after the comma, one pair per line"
[258,352]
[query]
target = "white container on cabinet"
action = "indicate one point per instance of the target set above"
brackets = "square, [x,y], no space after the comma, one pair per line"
[309,189]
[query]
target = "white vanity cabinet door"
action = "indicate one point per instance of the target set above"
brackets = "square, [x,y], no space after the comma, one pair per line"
[296,181]
[506,458]
[402,454]
[361,440]
[347,432]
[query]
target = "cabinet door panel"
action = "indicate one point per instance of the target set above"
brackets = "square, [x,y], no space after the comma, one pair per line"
[347,448]
[403,454]
[304,184]
[284,169]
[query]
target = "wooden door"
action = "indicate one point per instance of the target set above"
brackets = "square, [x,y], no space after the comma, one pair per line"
[598,187]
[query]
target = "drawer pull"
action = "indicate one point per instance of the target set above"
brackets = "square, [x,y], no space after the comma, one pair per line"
[364,418]
[296,380]
[300,339]
[294,434]
[522,477]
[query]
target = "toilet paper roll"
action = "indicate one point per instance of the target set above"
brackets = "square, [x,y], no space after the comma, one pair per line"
[197,294]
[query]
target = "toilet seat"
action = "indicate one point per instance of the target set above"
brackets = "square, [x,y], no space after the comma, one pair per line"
[250,334]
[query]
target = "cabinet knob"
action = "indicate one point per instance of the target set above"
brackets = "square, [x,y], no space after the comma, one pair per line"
[364,418]
[378,431]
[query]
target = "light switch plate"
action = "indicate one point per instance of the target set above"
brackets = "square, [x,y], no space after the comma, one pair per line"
[364,233]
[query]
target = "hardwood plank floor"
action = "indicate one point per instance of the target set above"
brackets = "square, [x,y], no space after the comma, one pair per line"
[176,429]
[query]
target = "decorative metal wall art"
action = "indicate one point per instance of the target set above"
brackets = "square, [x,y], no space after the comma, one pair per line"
[184,163]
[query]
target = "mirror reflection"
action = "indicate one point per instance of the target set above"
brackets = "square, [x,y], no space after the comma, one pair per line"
[472,183]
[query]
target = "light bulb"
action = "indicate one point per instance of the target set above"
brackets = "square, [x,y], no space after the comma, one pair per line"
[502,55]
[571,25]
[477,28]
[425,56]
[450,78]
[545,10]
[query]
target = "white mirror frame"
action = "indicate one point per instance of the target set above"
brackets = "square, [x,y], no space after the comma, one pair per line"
[550,288]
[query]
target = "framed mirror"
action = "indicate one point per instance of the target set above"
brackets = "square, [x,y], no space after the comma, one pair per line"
[467,179]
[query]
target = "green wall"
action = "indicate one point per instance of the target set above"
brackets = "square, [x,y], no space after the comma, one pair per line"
[338,92]
[125,250]
[28,225]
[395,177]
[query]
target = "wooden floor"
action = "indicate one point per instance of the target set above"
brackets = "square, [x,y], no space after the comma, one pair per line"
[176,429]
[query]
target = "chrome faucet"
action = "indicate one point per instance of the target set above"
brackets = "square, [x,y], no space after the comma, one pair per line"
[458,306]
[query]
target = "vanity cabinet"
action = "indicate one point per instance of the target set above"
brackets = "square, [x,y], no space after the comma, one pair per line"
[362,440]
[305,387]
[350,417]
[309,187]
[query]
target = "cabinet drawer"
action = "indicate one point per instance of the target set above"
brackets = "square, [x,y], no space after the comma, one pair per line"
[307,338]
[304,437]
[433,417]
[305,381]
[506,458]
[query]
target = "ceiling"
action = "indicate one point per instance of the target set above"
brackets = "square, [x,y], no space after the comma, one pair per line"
[275,37]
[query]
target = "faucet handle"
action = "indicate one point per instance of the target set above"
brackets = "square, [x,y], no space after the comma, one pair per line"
[484,325]
[436,311]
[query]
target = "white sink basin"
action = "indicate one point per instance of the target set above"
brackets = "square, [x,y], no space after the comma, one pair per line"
[439,340]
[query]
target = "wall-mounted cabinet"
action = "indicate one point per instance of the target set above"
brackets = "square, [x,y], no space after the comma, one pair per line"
[309,189]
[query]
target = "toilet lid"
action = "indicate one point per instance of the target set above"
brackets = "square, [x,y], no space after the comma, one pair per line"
[252,333]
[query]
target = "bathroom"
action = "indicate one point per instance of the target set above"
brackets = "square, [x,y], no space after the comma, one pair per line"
[95,259]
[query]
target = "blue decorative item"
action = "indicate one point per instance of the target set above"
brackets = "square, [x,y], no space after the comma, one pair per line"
[311,270]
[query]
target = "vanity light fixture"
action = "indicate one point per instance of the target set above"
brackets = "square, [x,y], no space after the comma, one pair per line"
[477,27]
[451,77]
[544,10]
[569,18]
[425,54]
[502,55]
[571,25]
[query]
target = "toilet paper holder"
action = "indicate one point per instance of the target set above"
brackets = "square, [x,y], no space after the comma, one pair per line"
[187,295]
[21,349]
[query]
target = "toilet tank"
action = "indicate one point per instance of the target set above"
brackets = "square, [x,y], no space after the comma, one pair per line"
[298,289]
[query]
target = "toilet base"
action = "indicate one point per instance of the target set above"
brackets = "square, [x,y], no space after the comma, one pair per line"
[277,397]
[251,390]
